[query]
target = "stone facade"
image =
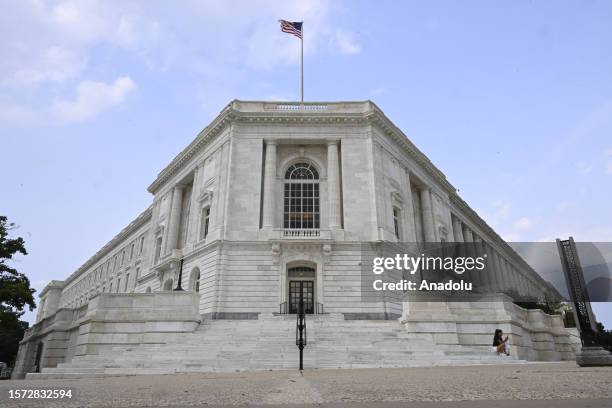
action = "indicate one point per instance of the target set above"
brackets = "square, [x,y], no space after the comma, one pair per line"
[224,206]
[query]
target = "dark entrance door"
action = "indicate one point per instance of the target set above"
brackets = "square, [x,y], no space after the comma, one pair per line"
[307,289]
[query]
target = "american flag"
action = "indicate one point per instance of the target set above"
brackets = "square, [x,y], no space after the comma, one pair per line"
[292,27]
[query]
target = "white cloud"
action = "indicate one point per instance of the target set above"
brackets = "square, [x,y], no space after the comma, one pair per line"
[502,209]
[589,234]
[343,42]
[16,114]
[523,223]
[93,98]
[51,46]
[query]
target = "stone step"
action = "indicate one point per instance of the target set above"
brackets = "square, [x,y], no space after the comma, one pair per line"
[269,343]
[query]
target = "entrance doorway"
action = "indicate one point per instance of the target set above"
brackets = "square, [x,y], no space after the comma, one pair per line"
[306,289]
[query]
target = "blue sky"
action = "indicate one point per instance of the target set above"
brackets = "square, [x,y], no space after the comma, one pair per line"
[511,100]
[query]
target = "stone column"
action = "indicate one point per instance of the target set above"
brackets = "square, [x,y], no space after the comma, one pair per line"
[480,275]
[527,282]
[519,282]
[532,288]
[194,213]
[487,271]
[175,218]
[269,193]
[519,278]
[427,215]
[516,280]
[510,276]
[333,184]
[505,275]
[467,234]
[499,282]
[221,193]
[457,230]
[469,252]
[408,213]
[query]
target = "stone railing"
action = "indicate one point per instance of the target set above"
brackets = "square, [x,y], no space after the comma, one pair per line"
[301,233]
[324,107]
[297,107]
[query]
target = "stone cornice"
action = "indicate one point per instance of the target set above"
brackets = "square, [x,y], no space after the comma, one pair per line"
[54,284]
[132,226]
[202,139]
[312,113]
[378,118]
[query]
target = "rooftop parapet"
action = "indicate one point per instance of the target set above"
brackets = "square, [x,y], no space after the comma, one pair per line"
[297,107]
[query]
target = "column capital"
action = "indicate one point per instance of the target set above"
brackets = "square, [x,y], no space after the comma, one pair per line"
[332,142]
[271,142]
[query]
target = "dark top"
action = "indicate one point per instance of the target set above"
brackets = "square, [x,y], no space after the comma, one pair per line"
[497,340]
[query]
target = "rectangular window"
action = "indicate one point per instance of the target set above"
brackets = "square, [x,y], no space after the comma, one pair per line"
[396,222]
[118,284]
[301,205]
[141,245]
[127,280]
[205,222]
[122,257]
[132,251]
[158,244]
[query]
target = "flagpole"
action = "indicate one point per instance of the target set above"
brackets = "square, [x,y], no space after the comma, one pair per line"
[302,82]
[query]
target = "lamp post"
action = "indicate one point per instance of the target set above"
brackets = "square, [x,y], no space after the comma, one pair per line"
[300,329]
[180,277]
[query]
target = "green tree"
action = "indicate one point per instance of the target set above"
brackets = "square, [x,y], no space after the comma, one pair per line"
[15,294]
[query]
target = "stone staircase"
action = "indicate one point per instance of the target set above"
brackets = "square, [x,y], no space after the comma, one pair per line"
[269,343]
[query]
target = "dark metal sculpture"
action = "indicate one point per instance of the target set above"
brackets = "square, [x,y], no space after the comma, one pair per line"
[180,277]
[578,293]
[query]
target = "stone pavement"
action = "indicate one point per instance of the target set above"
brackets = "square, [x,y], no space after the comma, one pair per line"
[566,383]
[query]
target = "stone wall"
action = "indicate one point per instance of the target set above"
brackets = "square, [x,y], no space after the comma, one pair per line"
[109,320]
[534,335]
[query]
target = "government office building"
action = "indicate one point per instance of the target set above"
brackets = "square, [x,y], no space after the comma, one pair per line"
[269,203]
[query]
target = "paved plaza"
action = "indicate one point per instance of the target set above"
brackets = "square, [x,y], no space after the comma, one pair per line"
[566,383]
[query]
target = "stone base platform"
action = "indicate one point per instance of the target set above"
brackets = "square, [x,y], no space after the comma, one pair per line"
[593,357]
[269,344]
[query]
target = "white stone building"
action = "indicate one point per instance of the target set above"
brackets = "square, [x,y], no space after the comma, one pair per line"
[271,199]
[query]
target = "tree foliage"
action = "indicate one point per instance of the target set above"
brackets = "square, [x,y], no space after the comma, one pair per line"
[15,293]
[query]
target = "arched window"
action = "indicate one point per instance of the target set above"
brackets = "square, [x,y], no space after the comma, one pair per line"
[301,198]
[148,290]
